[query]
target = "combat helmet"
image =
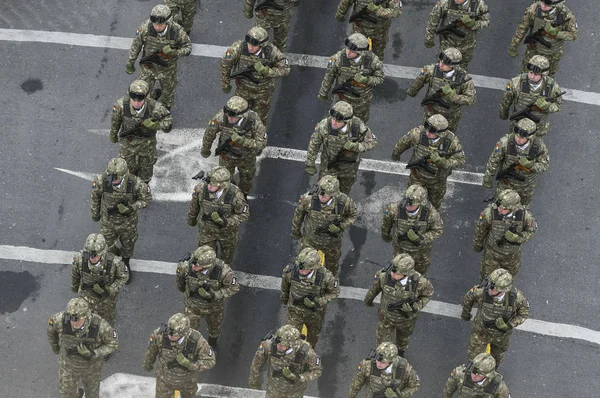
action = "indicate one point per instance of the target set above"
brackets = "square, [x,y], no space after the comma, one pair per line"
[357,42]
[525,128]
[484,364]
[538,64]
[436,124]
[329,186]
[386,352]
[95,245]
[160,14]
[509,199]
[257,36]
[204,256]
[78,308]
[117,170]
[552,2]
[341,111]
[451,56]
[138,89]
[219,177]
[287,335]
[403,264]
[500,280]
[308,258]
[415,195]
[236,106]
[179,325]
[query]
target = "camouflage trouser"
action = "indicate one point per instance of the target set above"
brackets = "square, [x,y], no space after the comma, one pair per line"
[453,118]
[279,23]
[188,11]
[228,244]
[466,50]
[107,309]
[273,393]
[422,257]
[345,178]
[524,191]
[553,59]
[313,321]
[492,260]
[435,191]
[164,389]
[480,339]
[167,78]
[68,379]
[246,168]
[403,330]
[360,106]
[259,102]
[332,251]
[542,127]
[379,37]
[125,232]
[140,155]
[214,318]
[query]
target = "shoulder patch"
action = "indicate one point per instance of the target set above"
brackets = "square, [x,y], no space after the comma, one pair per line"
[51,321]
[386,212]
[318,361]
[497,148]
[261,347]
[228,54]
[481,217]
[234,280]
[73,263]
[94,185]
[212,123]
[423,69]
[151,339]
[210,352]
[359,367]
[137,32]
[114,109]
[508,86]
[472,291]
[245,209]
[114,334]
[330,62]
[376,276]
[335,283]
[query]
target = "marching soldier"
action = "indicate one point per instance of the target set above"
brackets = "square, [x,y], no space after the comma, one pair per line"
[436,152]
[404,292]
[272,14]
[477,378]
[188,10]
[353,72]
[341,138]
[306,288]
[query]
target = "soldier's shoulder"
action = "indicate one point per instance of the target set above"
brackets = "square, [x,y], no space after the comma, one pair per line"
[532,9]
[375,60]
[97,182]
[321,126]
[143,28]
[458,372]
[287,270]
[199,188]
[236,46]
[56,319]
[120,101]
[77,257]
[428,69]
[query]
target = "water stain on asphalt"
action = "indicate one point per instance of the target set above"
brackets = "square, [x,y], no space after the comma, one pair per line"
[388,92]
[30,86]
[16,287]
[397,45]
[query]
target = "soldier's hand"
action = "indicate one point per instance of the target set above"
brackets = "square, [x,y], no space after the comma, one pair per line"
[204,293]
[512,237]
[249,12]
[417,306]
[395,156]
[360,78]
[216,218]
[183,361]
[240,139]
[55,348]
[513,51]
[487,183]
[255,386]
[386,238]
[501,325]
[226,89]
[84,351]
[309,303]
[123,209]
[148,367]
[130,67]
[465,316]
[372,7]
[334,229]
[542,104]
[288,374]
[411,93]
[205,153]
[323,98]
[413,236]
[448,91]
[169,50]
[340,18]
[151,124]
[389,393]
[477,249]
[468,21]
[551,30]
[98,289]
[113,138]
[428,44]
[310,170]
[95,218]
[439,160]
[295,235]
[351,146]
[526,162]
[368,303]
[261,69]
[406,308]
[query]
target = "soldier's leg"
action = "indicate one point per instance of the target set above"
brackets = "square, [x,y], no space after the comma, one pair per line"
[110,236]
[554,60]
[314,324]
[67,380]
[107,310]
[295,317]
[332,252]
[228,246]
[168,83]
[163,390]
[147,74]
[436,193]
[512,263]
[346,182]
[280,34]
[488,263]
[214,320]
[403,332]
[247,170]
[477,345]
[384,330]
[129,153]
[453,120]
[229,164]
[189,390]
[362,110]
[188,12]
[526,57]
[498,347]
[146,161]
[204,239]
[467,56]
[193,317]
[91,380]
[542,128]
[128,236]
[262,104]
[422,260]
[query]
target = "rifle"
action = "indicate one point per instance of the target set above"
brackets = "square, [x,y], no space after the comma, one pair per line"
[347,86]
[490,198]
[115,209]
[381,394]
[526,112]
[452,27]
[365,15]
[157,57]
[397,306]
[491,324]
[228,147]
[325,228]
[511,172]
[423,163]
[268,4]
[248,73]
[300,302]
[90,287]
[341,157]
[416,229]
[538,35]
[503,240]
[436,98]
[134,129]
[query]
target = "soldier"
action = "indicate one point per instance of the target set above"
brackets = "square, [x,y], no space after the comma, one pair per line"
[501,308]
[404,292]
[436,151]
[306,288]
[242,137]
[182,354]
[449,88]
[292,363]
[412,225]
[502,228]
[206,283]
[341,139]
[550,24]
[272,14]
[188,10]
[516,161]
[355,71]
[385,374]
[98,277]
[81,340]
[477,378]
[256,64]
[371,19]
[459,22]
[115,200]
[320,219]
[218,208]
[163,41]
[533,94]
[134,123]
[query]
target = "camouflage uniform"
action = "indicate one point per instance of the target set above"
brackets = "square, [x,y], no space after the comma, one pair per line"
[115,224]
[460,381]
[272,18]
[490,237]
[513,308]
[520,93]
[237,58]
[188,10]
[215,278]
[330,142]
[230,204]
[506,155]
[300,359]
[179,362]
[319,287]
[341,69]
[377,31]
[436,182]
[240,155]
[97,336]
[99,284]
[311,221]
[396,223]
[149,41]
[138,148]
[394,293]
[446,12]
[535,20]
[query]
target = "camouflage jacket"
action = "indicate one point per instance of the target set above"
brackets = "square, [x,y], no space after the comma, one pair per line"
[148,41]
[322,288]
[519,94]
[492,226]
[133,193]
[446,12]
[219,279]
[111,274]
[256,135]
[459,382]
[231,205]
[465,92]
[397,221]
[125,117]
[402,379]
[387,10]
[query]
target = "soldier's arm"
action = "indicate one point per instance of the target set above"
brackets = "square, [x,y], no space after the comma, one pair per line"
[110,341]
[229,285]
[54,323]
[229,60]
[453,382]
[411,383]
[143,195]
[569,30]
[331,74]
[241,210]
[313,369]
[484,19]
[458,159]
[525,24]
[465,94]
[314,145]
[470,298]
[332,289]
[75,273]
[496,158]
[555,106]
[214,126]
[96,198]
[434,21]
[375,288]
[260,357]
[180,276]
[359,380]
[406,141]
[502,391]
[116,119]
[194,210]
[281,67]
[425,292]
[482,229]
[529,227]
[507,99]
[423,78]
[369,140]
[343,8]
[159,111]
[249,4]
[204,359]
[389,214]
[183,40]
[392,10]
[299,213]
[260,135]
[121,275]
[138,42]
[542,162]
[284,293]
[435,227]
[377,76]
[152,350]
[522,310]
[349,215]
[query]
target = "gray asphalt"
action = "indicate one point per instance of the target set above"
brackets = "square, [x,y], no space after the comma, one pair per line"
[53,94]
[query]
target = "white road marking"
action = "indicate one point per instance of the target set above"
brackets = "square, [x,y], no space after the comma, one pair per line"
[561,330]
[212,51]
